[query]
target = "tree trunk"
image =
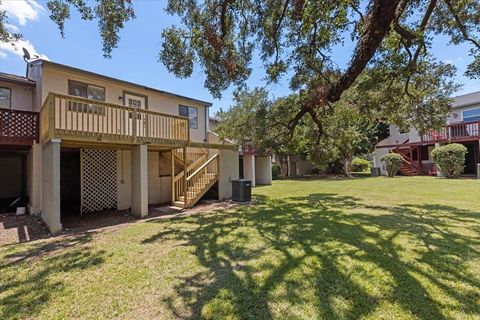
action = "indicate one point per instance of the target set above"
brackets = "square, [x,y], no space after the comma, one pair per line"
[347,167]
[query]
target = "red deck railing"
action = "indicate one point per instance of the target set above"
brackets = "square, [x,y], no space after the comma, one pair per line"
[18,127]
[460,131]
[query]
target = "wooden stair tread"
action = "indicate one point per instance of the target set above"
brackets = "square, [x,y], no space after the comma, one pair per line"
[199,181]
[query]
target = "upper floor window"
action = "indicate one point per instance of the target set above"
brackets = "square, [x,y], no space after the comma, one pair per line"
[87,91]
[5,98]
[191,113]
[471,115]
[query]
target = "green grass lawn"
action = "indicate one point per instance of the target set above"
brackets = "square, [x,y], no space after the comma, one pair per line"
[365,248]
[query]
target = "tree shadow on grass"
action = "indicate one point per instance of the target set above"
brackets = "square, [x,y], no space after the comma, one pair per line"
[24,295]
[329,256]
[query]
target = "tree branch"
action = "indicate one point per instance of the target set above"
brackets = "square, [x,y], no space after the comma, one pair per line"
[460,25]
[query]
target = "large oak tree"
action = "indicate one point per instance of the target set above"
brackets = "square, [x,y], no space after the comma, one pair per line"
[298,38]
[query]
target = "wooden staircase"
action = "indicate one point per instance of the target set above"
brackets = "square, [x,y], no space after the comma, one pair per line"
[194,178]
[409,167]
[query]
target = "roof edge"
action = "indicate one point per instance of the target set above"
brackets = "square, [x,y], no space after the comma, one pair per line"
[13,78]
[63,66]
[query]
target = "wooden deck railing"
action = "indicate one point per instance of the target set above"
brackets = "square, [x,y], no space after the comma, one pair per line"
[200,176]
[18,127]
[460,131]
[74,118]
[201,180]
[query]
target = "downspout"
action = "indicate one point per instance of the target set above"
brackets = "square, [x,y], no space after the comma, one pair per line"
[207,120]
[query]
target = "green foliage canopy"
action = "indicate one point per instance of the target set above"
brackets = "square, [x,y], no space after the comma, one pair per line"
[298,38]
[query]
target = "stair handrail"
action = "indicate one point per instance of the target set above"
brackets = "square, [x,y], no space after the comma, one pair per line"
[192,165]
[409,161]
[203,166]
[203,177]
[401,144]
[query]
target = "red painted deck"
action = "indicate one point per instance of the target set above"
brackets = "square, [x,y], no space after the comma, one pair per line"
[455,132]
[18,128]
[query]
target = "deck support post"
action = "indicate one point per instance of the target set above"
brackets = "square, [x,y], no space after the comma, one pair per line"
[172,175]
[437,145]
[140,180]
[185,188]
[263,170]
[51,185]
[419,157]
[228,169]
[249,168]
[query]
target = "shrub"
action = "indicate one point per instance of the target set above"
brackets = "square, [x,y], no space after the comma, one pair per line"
[276,171]
[316,170]
[360,165]
[393,162]
[450,159]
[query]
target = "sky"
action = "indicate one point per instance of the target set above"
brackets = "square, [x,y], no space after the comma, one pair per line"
[136,58]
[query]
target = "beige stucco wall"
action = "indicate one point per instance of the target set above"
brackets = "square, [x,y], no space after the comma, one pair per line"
[249,168]
[51,186]
[124,178]
[56,80]
[139,180]
[263,170]
[21,95]
[159,189]
[229,169]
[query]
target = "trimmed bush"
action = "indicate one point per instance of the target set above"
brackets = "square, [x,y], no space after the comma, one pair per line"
[276,171]
[393,162]
[450,159]
[360,165]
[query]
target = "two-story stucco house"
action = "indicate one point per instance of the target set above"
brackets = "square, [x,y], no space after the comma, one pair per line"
[463,126]
[88,142]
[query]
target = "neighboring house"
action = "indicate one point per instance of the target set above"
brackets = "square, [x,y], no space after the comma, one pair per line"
[18,131]
[462,126]
[252,166]
[86,142]
[296,166]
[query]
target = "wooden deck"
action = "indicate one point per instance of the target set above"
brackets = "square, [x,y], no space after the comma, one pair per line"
[74,119]
[455,132]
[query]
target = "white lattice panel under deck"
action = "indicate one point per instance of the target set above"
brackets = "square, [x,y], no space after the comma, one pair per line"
[98,179]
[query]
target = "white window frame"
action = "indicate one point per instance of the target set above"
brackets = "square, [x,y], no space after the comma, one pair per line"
[188,111]
[469,109]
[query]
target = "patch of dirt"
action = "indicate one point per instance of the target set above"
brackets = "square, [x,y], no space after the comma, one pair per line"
[16,229]
[22,228]
[203,207]
[113,220]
